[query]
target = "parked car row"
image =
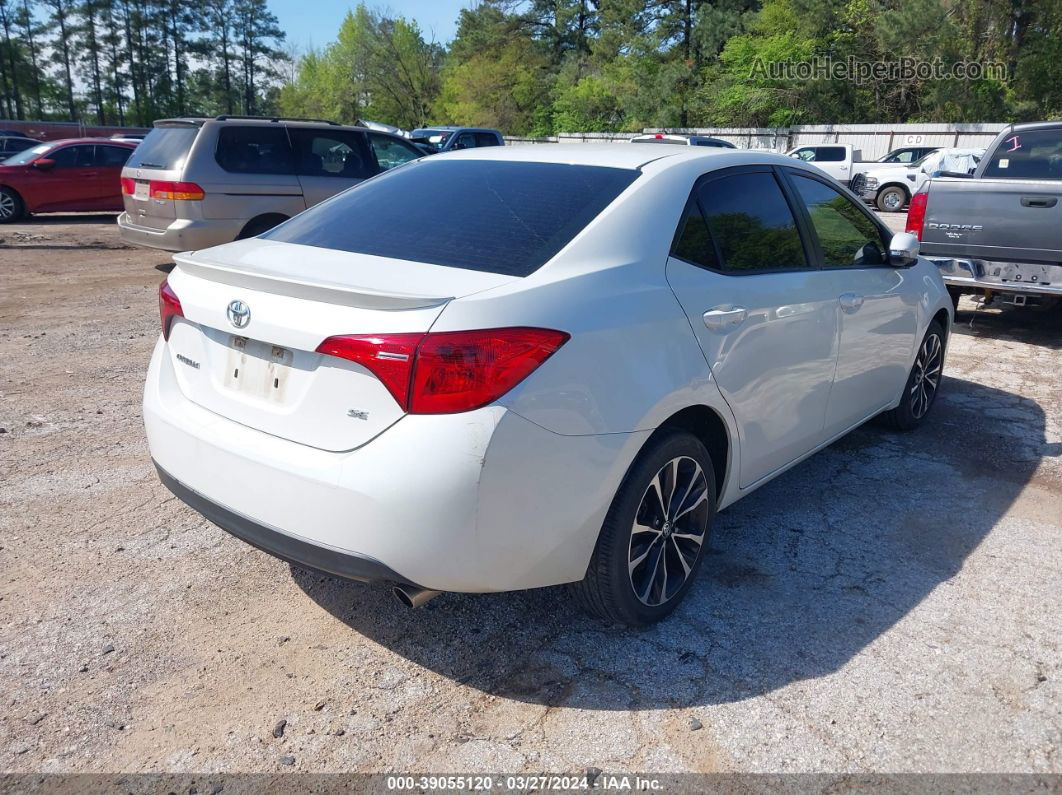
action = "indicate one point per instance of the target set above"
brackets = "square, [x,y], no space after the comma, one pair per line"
[194,183]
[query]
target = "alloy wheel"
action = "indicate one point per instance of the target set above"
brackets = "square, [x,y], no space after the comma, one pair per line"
[892,201]
[927,372]
[668,532]
[7,205]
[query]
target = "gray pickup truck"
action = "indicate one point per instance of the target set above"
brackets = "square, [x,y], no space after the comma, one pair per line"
[998,232]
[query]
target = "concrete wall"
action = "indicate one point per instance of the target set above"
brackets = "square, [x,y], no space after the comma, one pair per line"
[873,140]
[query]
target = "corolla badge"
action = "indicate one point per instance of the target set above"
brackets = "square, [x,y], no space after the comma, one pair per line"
[239,313]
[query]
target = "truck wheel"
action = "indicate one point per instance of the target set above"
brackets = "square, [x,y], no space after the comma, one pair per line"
[11,207]
[654,535]
[891,199]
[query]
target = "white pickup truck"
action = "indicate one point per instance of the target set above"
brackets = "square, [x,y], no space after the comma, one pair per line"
[836,160]
[890,187]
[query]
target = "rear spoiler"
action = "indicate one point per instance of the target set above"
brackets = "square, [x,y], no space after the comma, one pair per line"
[330,292]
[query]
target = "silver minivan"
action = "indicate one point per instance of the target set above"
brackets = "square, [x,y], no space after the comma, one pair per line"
[195,183]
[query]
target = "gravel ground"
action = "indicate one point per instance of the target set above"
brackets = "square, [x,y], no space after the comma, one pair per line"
[890,605]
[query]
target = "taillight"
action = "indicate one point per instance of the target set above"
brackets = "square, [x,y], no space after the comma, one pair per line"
[175,191]
[449,372]
[916,211]
[128,186]
[387,356]
[169,307]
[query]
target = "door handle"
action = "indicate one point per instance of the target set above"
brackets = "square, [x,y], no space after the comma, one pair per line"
[724,318]
[850,302]
[1038,201]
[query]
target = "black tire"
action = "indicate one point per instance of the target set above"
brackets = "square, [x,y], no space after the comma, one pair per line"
[916,403]
[891,199]
[257,226]
[11,206]
[608,590]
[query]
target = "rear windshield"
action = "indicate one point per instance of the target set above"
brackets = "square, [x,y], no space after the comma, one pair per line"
[164,148]
[485,215]
[1036,154]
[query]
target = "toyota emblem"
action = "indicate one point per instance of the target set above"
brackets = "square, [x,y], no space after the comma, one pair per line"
[239,313]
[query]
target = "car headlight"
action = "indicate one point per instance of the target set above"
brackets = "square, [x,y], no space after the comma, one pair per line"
[871,182]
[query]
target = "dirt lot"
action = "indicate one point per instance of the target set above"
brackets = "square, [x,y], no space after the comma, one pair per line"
[890,605]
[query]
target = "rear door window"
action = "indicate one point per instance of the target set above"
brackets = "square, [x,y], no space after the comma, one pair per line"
[830,154]
[465,140]
[255,150]
[486,139]
[751,222]
[331,153]
[112,156]
[391,152]
[164,148]
[692,241]
[486,215]
[1036,154]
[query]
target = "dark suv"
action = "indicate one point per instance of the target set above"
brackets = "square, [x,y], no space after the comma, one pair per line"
[447,139]
[195,183]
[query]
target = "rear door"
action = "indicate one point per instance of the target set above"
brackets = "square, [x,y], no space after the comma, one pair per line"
[764,317]
[109,160]
[876,306]
[329,161]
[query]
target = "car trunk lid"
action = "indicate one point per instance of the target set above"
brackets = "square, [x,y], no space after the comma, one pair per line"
[287,299]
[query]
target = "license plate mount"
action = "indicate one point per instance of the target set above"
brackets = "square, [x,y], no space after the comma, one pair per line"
[257,369]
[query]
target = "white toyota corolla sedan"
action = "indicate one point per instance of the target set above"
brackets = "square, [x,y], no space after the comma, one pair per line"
[515,367]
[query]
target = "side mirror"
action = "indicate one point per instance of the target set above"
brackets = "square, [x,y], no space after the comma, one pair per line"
[903,250]
[44,163]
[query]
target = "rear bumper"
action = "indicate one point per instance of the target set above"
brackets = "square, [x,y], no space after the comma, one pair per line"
[281,545]
[1003,277]
[473,502]
[183,234]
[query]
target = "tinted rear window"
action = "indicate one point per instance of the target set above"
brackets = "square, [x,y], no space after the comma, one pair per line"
[830,154]
[497,216]
[164,148]
[255,150]
[1036,154]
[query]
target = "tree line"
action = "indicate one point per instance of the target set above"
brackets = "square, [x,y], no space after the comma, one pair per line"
[128,62]
[535,67]
[539,67]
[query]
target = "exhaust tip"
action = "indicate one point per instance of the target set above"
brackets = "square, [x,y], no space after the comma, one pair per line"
[413,597]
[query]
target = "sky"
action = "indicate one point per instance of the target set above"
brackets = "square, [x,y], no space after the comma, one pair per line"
[315,22]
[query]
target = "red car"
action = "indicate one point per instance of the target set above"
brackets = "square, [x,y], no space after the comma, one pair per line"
[77,174]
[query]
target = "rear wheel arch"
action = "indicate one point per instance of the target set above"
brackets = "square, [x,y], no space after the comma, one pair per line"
[942,318]
[261,223]
[709,426]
